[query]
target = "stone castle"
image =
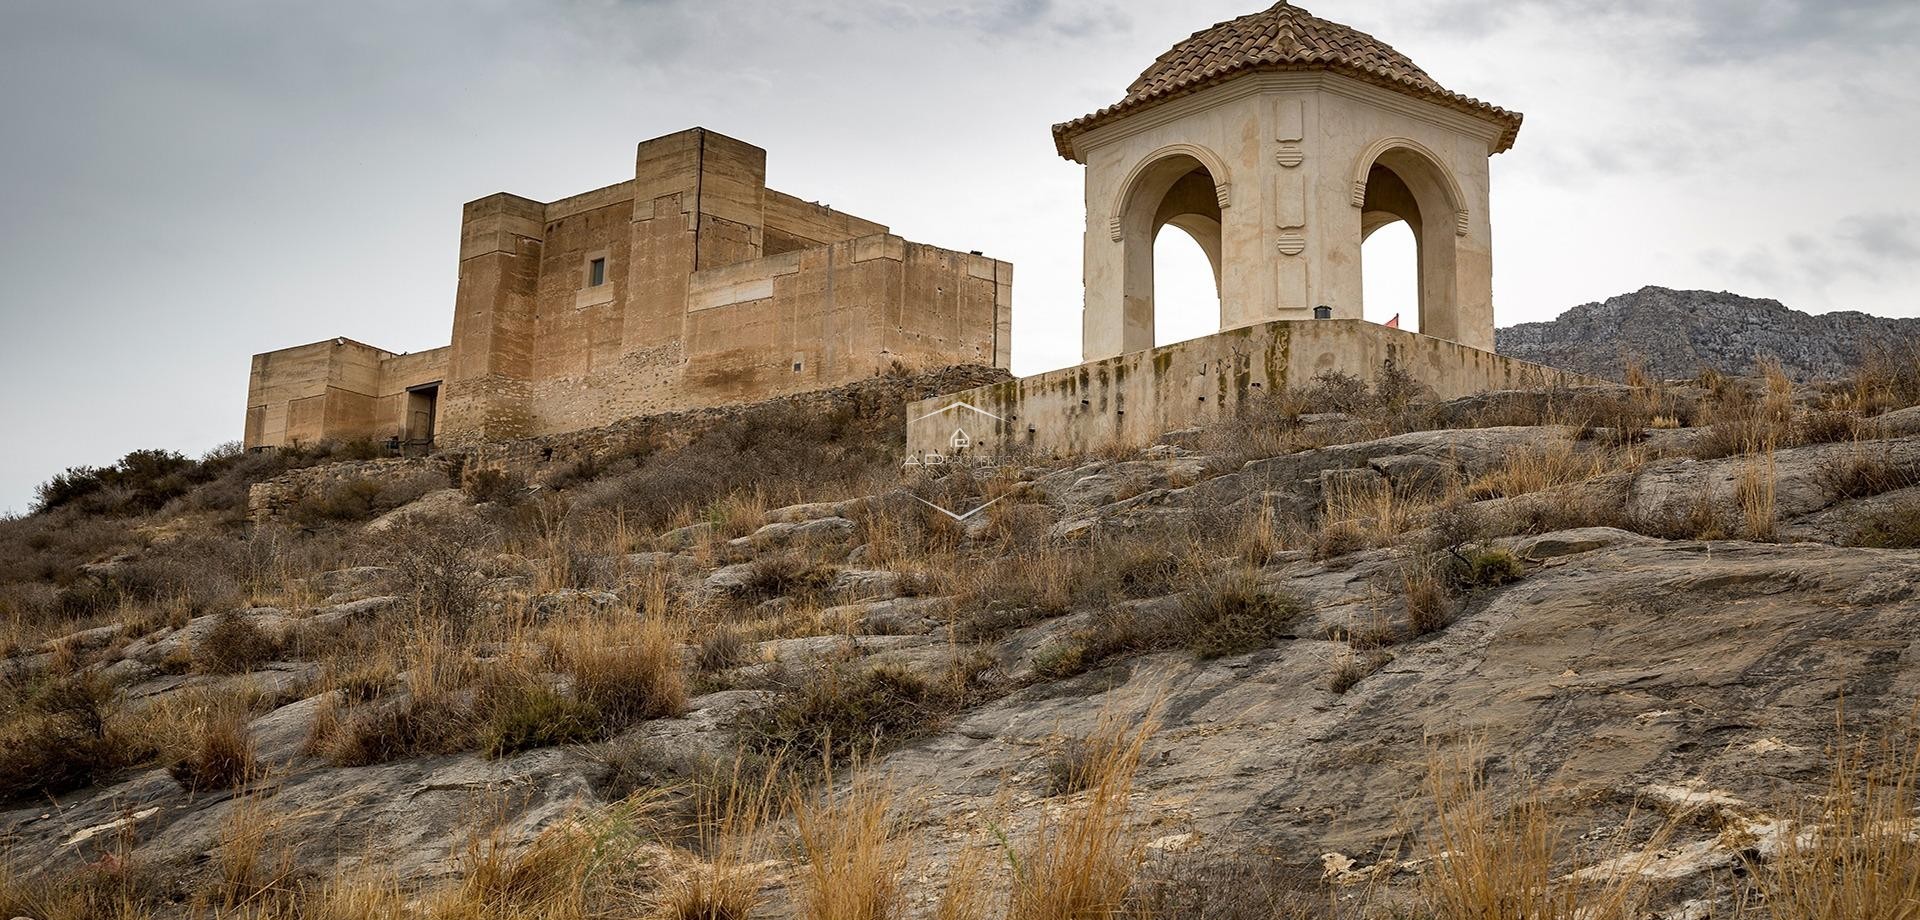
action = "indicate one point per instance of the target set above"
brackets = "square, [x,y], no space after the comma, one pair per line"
[1278,140]
[691,285]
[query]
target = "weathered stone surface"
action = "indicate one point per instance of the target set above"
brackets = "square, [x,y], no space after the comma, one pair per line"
[446,505]
[360,611]
[1417,475]
[1575,541]
[687,537]
[1591,677]
[360,581]
[807,532]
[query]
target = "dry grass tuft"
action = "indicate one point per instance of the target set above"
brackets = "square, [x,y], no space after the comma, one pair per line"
[853,852]
[1495,861]
[627,667]
[1859,855]
[1754,492]
[1533,469]
[235,645]
[1424,589]
[1081,863]
[215,751]
[1351,667]
[725,882]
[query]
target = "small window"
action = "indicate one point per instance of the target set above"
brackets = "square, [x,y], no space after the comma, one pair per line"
[596,273]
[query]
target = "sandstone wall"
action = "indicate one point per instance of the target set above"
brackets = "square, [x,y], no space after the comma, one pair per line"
[334,390]
[716,290]
[1131,400]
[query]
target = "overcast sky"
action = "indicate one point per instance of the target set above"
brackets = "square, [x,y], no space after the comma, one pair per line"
[183,184]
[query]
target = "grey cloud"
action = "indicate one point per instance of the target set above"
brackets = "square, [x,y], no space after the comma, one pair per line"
[1868,247]
[1883,236]
[1706,31]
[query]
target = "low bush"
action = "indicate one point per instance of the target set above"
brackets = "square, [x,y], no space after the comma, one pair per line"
[1863,473]
[785,575]
[216,752]
[55,737]
[723,646]
[496,486]
[832,712]
[520,716]
[234,645]
[1483,567]
[1898,529]
[1231,614]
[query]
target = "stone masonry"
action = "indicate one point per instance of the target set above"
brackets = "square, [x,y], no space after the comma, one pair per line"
[691,285]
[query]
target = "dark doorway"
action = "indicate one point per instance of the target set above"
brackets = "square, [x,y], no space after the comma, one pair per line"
[423,405]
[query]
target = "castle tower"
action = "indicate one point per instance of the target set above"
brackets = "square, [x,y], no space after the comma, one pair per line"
[1280,141]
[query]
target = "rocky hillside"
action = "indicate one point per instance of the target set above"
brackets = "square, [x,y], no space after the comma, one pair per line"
[1675,334]
[1342,657]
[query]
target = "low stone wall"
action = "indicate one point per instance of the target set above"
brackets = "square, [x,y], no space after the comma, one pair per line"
[537,457]
[876,399]
[1130,400]
[275,499]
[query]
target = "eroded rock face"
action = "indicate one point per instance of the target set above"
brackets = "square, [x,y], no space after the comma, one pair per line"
[1607,669]
[1622,666]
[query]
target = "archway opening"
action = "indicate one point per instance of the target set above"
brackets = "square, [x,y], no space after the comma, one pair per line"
[1186,291]
[1390,276]
[1408,222]
[1170,224]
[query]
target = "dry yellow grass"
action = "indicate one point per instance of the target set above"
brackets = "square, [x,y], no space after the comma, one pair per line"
[723,880]
[1495,860]
[1533,469]
[1754,492]
[853,851]
[1359,516]
[1080,865]
[625,665]
[1858,854]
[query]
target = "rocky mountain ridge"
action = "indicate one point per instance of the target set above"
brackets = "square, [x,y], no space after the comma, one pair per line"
[1676,333]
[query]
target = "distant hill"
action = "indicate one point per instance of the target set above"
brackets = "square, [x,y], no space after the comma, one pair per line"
[1676,333]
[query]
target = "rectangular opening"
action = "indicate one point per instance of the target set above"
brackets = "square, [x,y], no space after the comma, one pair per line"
[596,273]
[423,403]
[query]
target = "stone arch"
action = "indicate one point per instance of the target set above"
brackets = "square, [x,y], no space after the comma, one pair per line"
[1399,179]
[1184,186]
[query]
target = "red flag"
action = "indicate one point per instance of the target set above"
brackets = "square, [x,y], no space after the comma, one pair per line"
[1394,323]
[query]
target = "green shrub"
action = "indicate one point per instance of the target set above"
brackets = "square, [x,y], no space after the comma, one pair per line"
[1483,567]
[1231,614]
[527,716]
[841,709]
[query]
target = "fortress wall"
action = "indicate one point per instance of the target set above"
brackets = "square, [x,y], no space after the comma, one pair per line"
[1131,400]
[578,328]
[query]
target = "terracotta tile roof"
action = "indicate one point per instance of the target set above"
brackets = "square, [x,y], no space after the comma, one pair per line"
[1283,37]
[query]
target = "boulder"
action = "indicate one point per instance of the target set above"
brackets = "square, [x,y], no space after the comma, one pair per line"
[801,533]
[1575,541]
[1417,474]
[442,505]
[687,537]
[356,582]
